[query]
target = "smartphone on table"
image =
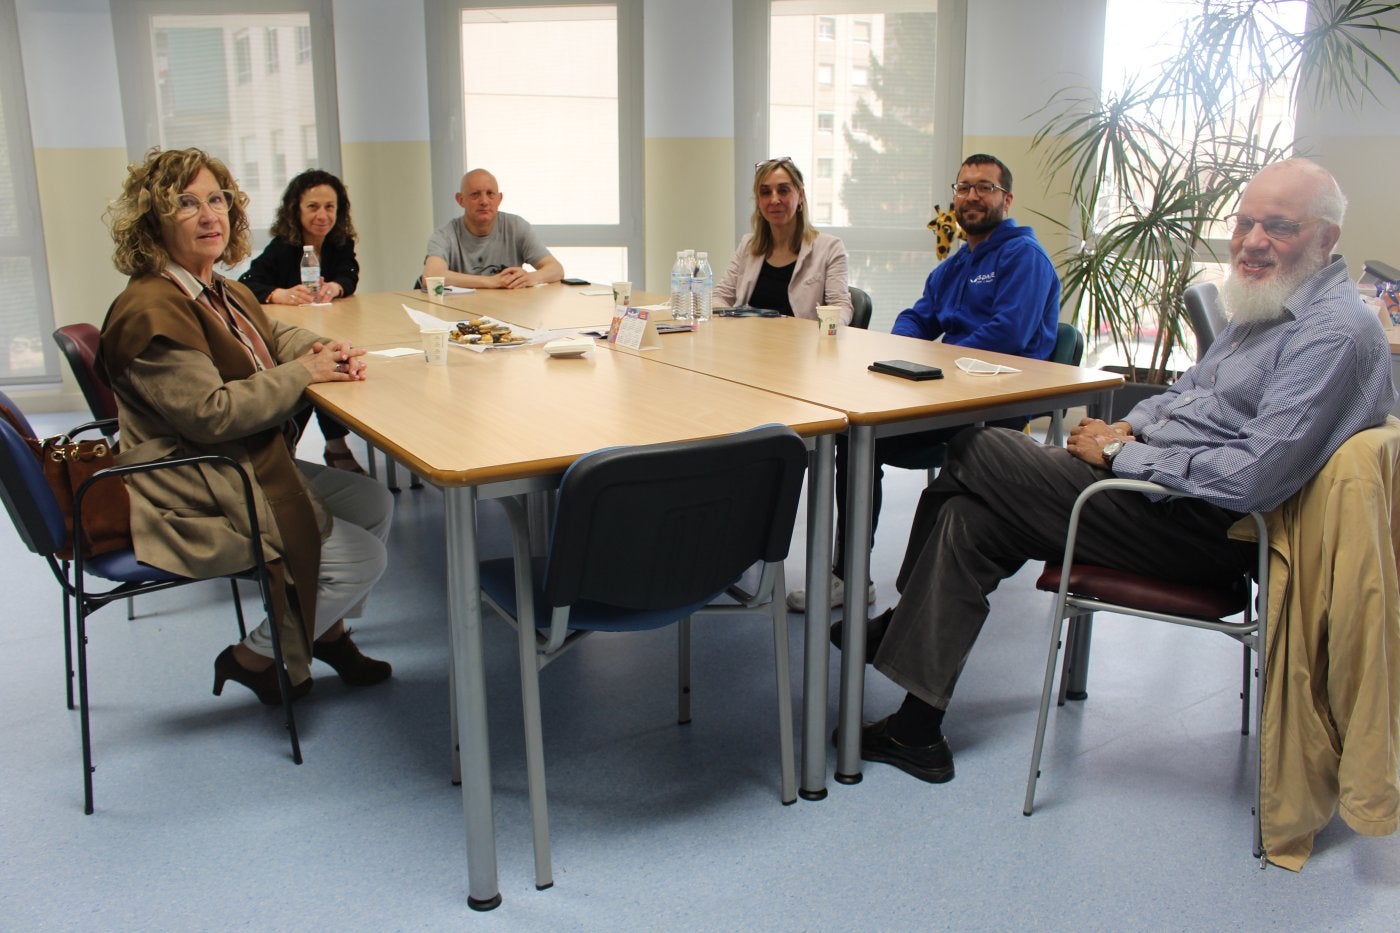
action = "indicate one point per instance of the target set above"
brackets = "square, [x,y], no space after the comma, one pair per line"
[904,369]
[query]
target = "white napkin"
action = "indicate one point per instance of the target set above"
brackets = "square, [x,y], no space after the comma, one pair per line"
[426,321]
[978,367]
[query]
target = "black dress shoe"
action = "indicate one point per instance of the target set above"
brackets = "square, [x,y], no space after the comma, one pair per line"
[263,682]
[931,763]
[354,668]
[874,633]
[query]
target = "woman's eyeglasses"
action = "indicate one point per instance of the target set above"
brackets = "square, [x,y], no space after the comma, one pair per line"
[187,205]
[778,160]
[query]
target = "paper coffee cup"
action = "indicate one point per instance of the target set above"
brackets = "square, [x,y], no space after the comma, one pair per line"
[622,297]
[435,345]
[435,285]
[828,317]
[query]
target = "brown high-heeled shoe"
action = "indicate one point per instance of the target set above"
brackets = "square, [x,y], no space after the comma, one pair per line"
[352,666]
[263,683]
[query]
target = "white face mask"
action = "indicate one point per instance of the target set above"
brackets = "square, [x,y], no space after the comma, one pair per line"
[982,368]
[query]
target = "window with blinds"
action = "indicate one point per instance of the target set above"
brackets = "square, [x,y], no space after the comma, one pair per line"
[27,351]
[251,82]
[864,96]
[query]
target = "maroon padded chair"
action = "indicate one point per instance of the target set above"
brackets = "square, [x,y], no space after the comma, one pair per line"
[79,345]
[1087,589]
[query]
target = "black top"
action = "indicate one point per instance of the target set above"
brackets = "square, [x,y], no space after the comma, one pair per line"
[770,291]
[279,266]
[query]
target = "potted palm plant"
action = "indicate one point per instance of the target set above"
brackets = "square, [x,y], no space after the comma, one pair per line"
[1152,167]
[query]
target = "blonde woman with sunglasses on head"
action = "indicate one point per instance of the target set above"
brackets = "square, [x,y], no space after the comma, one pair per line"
[785,265]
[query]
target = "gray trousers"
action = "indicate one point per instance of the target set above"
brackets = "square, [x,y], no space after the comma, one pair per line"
[352,556]
[1003,499]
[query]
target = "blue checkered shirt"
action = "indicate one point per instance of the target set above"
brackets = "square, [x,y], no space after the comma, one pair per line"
[1269,403]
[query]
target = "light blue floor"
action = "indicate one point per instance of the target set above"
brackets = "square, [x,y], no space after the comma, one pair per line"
[203,822]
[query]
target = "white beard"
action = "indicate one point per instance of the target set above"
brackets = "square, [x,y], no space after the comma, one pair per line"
[1250,303]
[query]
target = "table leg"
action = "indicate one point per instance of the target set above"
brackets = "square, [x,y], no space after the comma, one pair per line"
[820,472]
[469,672]
[858,506]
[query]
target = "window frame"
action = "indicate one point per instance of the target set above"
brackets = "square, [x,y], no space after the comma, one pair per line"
[446,119]
[30,243]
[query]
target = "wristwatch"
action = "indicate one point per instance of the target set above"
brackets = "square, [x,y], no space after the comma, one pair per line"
[1110,450]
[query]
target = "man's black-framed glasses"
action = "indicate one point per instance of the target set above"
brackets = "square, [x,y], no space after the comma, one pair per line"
[962,189]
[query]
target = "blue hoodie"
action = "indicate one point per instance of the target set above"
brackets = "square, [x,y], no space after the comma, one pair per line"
[1003,296]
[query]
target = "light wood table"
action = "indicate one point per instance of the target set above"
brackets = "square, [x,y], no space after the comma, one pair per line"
[552,411]
[788,356]
[544,307]
[373,319]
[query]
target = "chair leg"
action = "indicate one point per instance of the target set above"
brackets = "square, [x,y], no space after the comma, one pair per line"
[1056,625]
[238,609]
[784,681]
[84,724]
[68,645]
[1075,680]
[534,753]
[391,474]
[279,664]
[1244,694]
[683,672]
[130,608]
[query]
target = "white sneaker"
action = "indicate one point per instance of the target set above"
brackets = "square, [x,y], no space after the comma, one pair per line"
[797,599]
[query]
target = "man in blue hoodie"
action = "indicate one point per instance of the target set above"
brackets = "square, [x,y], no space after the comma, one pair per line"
[998,293]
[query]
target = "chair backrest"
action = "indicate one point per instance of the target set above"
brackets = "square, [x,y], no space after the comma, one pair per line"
[861,308]
[79,345]
[26,494]
[1069,345]
[1203,310]
[666,525]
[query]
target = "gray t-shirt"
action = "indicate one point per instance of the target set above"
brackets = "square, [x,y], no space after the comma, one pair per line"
[512,241]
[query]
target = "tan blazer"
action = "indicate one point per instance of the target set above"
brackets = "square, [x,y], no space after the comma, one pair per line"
[185,386]
[1331,736]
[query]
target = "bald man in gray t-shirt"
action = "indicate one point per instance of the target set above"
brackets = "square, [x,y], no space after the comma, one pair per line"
[485,248]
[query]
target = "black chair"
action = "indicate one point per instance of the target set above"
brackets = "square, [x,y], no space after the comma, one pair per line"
[1204,313]
[646,537]
[1086,589]
[40,524]
[861,308]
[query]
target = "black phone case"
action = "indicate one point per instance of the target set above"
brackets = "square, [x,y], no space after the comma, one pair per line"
[905,369]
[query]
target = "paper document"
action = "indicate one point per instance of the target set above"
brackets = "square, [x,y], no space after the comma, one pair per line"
[978,367]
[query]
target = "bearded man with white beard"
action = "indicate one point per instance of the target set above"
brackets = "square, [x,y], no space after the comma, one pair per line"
[1302,366]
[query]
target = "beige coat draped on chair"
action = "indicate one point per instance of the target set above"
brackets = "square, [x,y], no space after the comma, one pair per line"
[1331,736]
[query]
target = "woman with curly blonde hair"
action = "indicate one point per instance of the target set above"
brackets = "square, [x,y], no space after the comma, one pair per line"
[197,367]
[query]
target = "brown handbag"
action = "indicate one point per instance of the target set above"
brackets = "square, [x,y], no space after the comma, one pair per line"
[66,465]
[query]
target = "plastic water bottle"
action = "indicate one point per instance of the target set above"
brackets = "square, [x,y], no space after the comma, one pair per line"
[702,287]
[311,272]
[682,303]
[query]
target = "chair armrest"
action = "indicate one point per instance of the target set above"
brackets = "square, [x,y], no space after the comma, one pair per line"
[254,527]
[107,426]
[1146,487]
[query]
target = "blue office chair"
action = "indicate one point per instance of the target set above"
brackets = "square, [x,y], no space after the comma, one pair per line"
[39,522]
[1086,589]
[79,343]
[646,537]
